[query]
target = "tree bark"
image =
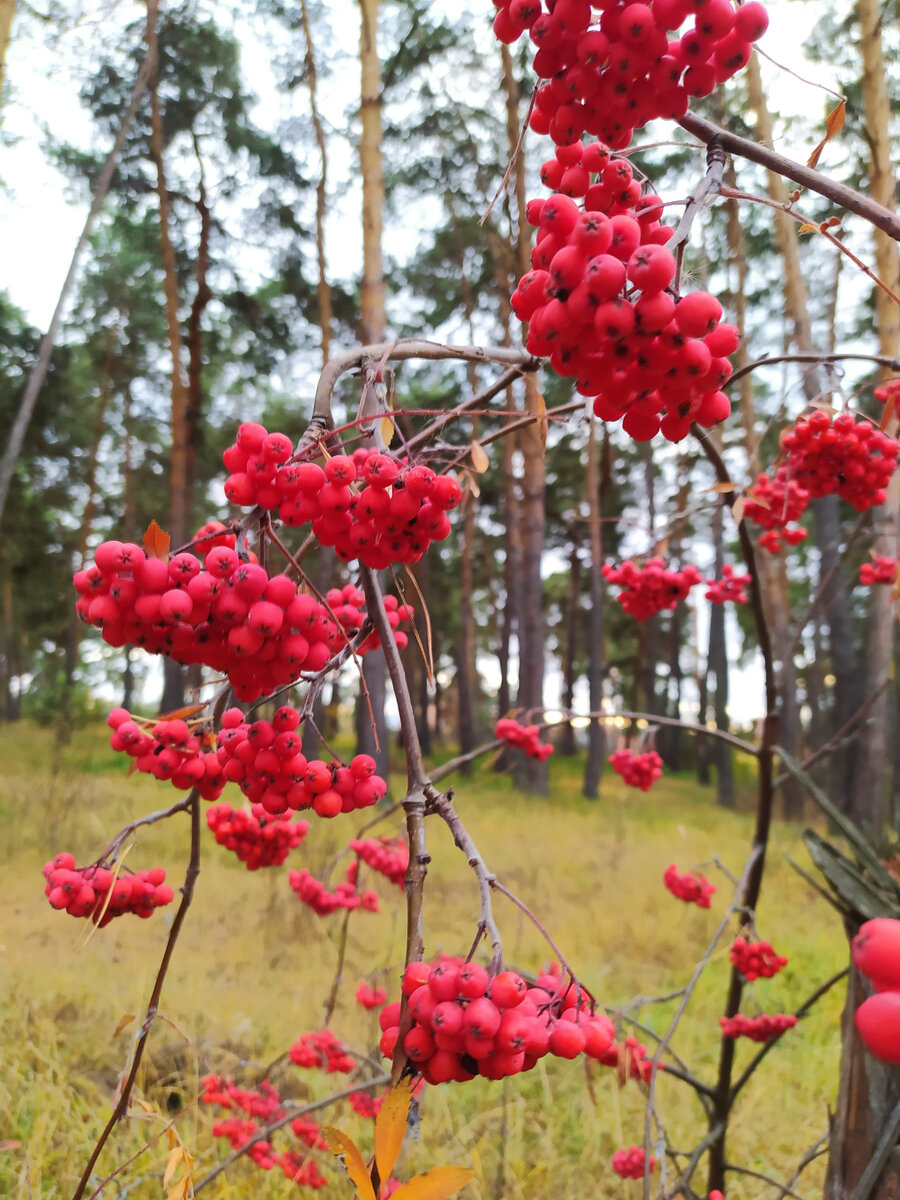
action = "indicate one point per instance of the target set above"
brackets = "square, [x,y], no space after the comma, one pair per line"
[323,288]
[7,12]
[593,767]
[569,640]
[870,804]
[718,666]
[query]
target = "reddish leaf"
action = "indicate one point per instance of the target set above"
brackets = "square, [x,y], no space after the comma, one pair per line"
[157,542]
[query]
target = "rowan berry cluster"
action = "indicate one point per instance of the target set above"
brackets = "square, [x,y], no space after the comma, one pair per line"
[611,79]
[217,610]
[876,953]
[651,587]
[637,770]
[771,539]
[851,458]
[168,749]
[526,738]
[758,1029]
[467,1024]
[691,887]
[263,1106]
[316,895]
[888,391]
[632,1163]
[600,305]
[365,1104]
[264,759]
[388,856]
[370,998]
[755,960]
[256,837]
[774,501]
[729,587]
[629,1059]
[882,570]
[322,1050]
[98,893]
[368,505]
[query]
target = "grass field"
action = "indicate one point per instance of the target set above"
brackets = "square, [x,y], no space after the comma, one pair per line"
[253,967]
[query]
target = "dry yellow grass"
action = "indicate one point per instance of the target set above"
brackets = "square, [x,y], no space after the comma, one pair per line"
[253,967]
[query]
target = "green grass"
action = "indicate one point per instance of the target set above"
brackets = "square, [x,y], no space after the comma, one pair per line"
[253,967]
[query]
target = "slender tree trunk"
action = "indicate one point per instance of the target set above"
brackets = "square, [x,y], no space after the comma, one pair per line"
[7,12]
[718,664]
[371,727]
[870,805]
[11,707]
[572,622]
[323,288]
[593,768]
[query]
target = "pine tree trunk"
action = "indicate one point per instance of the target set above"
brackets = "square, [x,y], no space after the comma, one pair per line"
[593,767]
[7,12]
[870,805]
[371,727]
[323,289]
[572,622]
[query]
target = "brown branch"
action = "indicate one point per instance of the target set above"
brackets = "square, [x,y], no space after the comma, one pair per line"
[880,360]
[187,894]
[876,214]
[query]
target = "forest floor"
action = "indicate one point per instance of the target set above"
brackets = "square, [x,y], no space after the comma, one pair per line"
[253,968]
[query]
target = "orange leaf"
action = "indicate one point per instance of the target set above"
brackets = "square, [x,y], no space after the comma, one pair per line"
[808,229]
[346,1149]
[480,460]
[9,1144]
[190,710]
[737,510]
[157,542]
[834,123]
[390,1127]
[435,1185]
[723,488]
[123,1024]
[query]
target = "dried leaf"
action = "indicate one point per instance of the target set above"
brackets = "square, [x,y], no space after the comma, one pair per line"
[435,1185]
[723,488]
[479,458]
[181,714]
[182,1190]
[390,1127]
[9,1144]
[157,542]
[346,1149]
[737,510]
[173,1162]
[388,429]
[834,123]
[541,410]
[123,1024]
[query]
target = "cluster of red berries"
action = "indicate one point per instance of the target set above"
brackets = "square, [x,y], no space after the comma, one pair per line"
[774,501]
[367,505]
[98,893]
[755,960]
[882,570]
[467,1024]
[217,610]
[168,749]
[322,1050]
[629,1059]
[888,391]
[263,1106]
[256,837]
[612,79]
[651,587]
[691,887]
[632,1163]
[388,856]
[365,1104]
[758,1029]
[637,770]
[729,587]
[369,997]
[316,895]
[600,306]
[264,759]
[772,538]
[876,953]
[526,738]
[851,458]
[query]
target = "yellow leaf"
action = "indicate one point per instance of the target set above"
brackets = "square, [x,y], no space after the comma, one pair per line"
[541,410]
[344,1147]
[834,123]
[173,1162]
[123,1024]
[806,228]
[480,460]
[157,542]
[435,1185]
[390,1127]
[182,1190]
[387,431]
